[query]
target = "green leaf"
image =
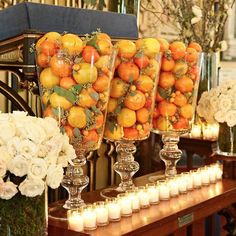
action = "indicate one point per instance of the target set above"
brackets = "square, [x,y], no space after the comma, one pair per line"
[132,93]
[164,93]
[68,95]
[117,110]
[131,78]
[88,114]
[77,88]
[95,109]
[77,133]
[62,129]
[139,54]
[93,42]
[111,126]
[94,96]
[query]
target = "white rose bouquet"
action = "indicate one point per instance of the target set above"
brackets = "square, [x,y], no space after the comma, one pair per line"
[219,104]
[33,153]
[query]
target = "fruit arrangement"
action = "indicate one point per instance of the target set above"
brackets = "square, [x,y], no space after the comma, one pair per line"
[74,78]
[131,102]
[179,78]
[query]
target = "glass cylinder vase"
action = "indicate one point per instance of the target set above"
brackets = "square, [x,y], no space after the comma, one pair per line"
[23,215]
[227,140]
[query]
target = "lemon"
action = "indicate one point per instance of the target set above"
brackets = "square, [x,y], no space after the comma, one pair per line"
[59,101]
[115,135]
[77,117]
[126,117]
[48,79]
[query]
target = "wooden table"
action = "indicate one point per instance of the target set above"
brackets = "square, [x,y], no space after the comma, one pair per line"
[178,216]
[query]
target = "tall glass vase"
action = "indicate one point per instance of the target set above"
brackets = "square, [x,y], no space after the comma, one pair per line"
[74,79]
[176,100]
[131,103]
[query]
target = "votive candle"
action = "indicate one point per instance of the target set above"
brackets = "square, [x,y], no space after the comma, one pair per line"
[197,182]
[143,197]
[114,211]
[75,220]
[173,186]
[101,213]
[153,193]
[164,190]
[134,198]
[125,204]
[90,217]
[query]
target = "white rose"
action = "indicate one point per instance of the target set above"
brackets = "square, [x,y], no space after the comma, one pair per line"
[230,118]
[19,115]
[8,190]
[197,11]
[32,187]
[3,168]
[225,104]
[7,131]
[18,166]
[35,133]
[55,144]
[220,116]
[4,154]
[51,159]
[195,20]
[37,168]
[43,150]
[27,149]
[12,146]
[54,176]
[50,126]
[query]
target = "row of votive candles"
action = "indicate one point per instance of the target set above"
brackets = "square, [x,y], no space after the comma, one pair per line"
[101,213]
[206,131]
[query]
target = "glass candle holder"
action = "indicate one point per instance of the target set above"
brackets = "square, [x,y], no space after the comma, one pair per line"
[196,176]
[101,213]
[114,209]
[133,195]
[153,193]
[75,220]
[219,170]
[205,178]
[143,197]
[212,174]
[164,190]
[90,217]
[125,204]
[173,186]
[189,182]
[182,182]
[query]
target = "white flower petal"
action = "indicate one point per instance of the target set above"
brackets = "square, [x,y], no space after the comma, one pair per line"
[8,190]
[32,187]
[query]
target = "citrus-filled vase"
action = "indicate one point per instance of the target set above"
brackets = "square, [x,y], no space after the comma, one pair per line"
[176,99]
[74,86]
[131,102]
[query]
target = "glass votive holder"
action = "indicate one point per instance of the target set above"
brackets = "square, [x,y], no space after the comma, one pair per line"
[182,182]
[219,171]
[143,197]
[101,213]
[212,174]
[173,186]
[205,178]
[153,192]
[90,217]
[75,220]
[189,180]
[114,211]
[164,190]
[133,195]
[197,180]
[125,204]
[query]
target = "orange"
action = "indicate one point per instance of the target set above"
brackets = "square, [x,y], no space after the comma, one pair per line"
[152,69]
[166,80]
[126,48]
[126,117]
[77,117]
[101,84]
[196,46]
[164,44]
[48,47]
[103,36]
[149,46]
[43,60]
[102,62]
[128,71]
[61,66]
[53,36]
[67,82]
[69,131]
[72,43]
[45,98]
[135,100]
[90,54]
[48,112]
[148,102]
[131,133]
[118,88]
[88,97]
[191,55]
[117,62]
[142,115]
[166,108]
[48,79]
[59,101]
[99,121]
[141,61]
[112,105]
[180,68]
[104,46]
[180,100]
[115,134]
[184,84]
[92,136]
[167,64]
[162,124]
[156,112]
[144,83]
[145,131]
[177,49]
[181,123]
[187,111]
[159,98]
[193,72]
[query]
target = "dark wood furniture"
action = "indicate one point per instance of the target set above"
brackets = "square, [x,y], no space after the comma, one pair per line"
[184,215]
